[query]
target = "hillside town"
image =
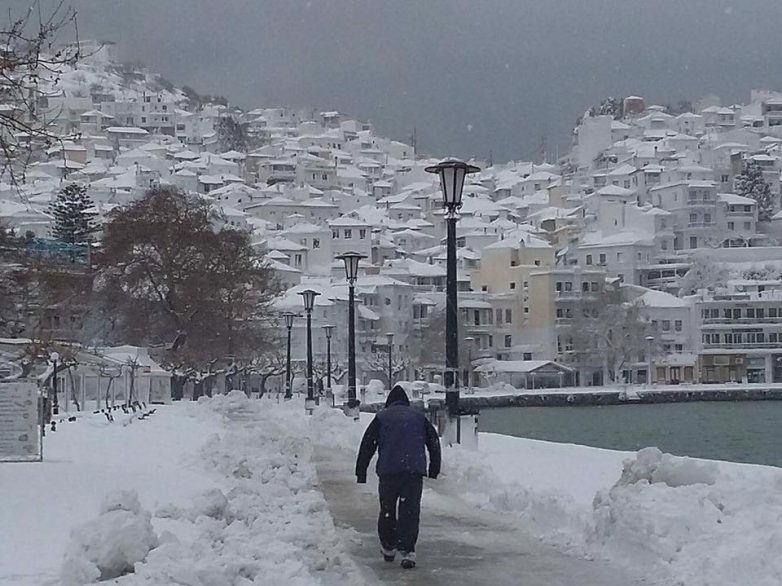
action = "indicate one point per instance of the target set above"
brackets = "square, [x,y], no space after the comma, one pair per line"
[650,253]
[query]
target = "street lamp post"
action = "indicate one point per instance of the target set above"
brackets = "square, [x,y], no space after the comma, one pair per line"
[469,340]
[649,344]
[309,303]
[351,260]
[329,330]
[288,324]
[55,356]
[452,174]
[390,338]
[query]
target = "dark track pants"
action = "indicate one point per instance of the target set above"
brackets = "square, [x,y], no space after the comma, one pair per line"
[399,530]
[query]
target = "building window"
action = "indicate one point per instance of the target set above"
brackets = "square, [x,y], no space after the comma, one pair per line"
[527,356]
[537,263]
[316,243]
[772,312]
[602,258]
[589,259]
[491,341]
[693,242]
[508,316]
[677,325]
[595,286]
[568,285]
[324,177]
[666,323]
[731,226]
[558,286]
[618,257]
[508,340]
[751,312]
[362,233]
[526,310]
[559,312]
[335,234]
[513,285]
[747,226]
[348,234]
[585,287]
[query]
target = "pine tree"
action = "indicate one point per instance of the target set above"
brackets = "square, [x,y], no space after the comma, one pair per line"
[751,183]
[73,222]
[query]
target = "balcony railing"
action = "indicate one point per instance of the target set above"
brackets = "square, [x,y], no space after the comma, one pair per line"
[743,320]
[741,346]
[700,225]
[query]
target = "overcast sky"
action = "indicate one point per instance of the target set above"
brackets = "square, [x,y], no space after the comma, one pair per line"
[471,76]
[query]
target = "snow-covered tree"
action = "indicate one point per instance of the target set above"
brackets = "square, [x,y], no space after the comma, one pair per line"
[74,223]
[704,273]
[751,183]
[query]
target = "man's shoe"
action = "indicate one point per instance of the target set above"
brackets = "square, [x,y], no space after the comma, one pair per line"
[408,560]
[388,554]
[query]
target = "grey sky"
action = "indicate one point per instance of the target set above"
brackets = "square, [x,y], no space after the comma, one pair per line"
[470,75]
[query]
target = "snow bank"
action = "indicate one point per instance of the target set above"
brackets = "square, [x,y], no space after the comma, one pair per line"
[707,523]
[693,522]
[268,523]
[110,545]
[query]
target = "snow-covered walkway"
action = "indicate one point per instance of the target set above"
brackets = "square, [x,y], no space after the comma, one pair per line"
[458,544]
[240,492]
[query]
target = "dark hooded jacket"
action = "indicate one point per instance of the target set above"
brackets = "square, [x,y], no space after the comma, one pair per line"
[400,434]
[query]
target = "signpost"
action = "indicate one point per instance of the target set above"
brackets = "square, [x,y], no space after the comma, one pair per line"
[21,426]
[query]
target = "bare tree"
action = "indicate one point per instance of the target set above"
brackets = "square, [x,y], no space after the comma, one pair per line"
[608,335]
[166,273]
[30,70]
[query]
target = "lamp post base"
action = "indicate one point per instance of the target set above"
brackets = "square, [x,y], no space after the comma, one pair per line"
[309,406]
[352,409]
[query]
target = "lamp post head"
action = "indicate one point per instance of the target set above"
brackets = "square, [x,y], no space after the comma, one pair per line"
[289,315]
[309,299]
[55,356]
[452,173]
[390,338]
[351,260]
[328,329]
[650,339]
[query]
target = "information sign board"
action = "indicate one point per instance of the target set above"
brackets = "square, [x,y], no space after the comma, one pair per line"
[20,422]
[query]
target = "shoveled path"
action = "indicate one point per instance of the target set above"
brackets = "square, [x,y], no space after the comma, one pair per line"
[471,548]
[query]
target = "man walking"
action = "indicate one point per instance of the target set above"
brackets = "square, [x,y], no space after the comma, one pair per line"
[399,433]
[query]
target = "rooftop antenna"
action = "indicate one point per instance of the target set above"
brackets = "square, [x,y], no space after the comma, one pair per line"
[491,158]
[414,140]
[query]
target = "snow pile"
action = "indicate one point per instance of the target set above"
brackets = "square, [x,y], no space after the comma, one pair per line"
[707,523]
[110,545]
[268,524]
[549,487]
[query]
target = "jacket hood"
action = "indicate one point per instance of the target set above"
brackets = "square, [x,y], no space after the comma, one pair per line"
[397,395]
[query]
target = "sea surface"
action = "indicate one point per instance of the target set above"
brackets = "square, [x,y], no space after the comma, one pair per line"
[747,431]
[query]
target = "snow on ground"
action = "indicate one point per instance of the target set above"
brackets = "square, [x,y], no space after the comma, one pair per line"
[695,522]
[226,493]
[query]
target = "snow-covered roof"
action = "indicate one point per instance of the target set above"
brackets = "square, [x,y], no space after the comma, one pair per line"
[734,199]
[653,298]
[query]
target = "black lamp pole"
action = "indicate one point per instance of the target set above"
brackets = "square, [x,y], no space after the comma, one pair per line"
[390,338]
[309,302]
[351,260]
[452,174]
[55,400]
[288,324]
[329,330]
